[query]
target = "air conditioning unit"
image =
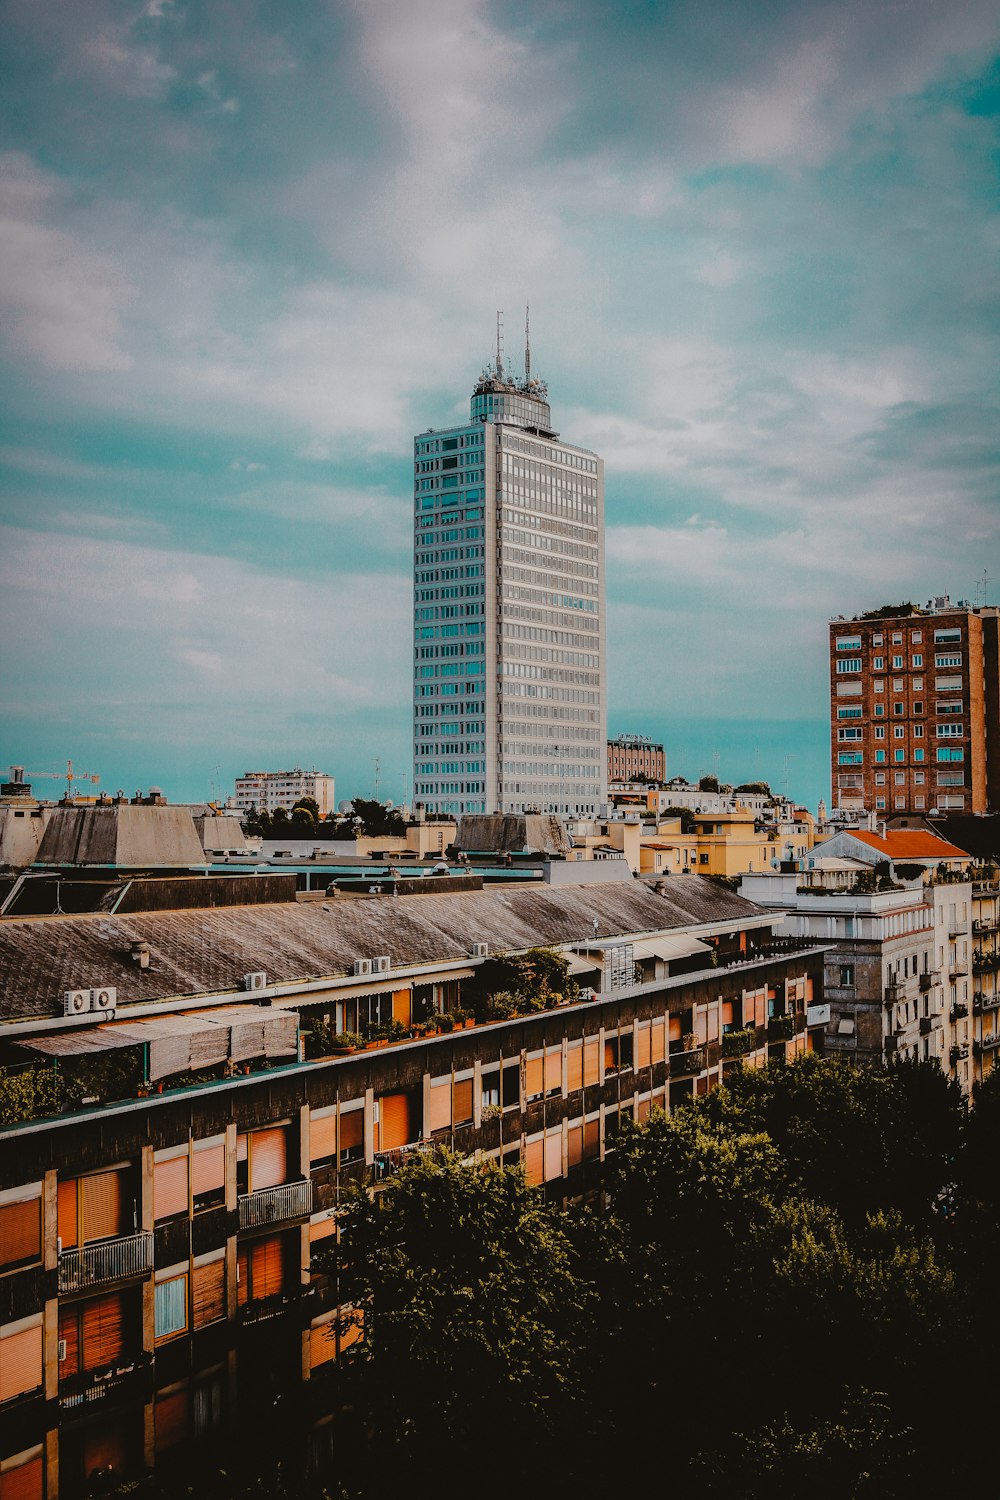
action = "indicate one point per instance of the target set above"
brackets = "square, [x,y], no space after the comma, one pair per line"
[104,1000]
[255,981]
[362,966]
[61,1350]
[381,964]
[76,1002]
[479,950]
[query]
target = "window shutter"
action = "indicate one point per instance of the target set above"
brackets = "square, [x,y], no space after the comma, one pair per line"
[760,1008]
[574,1067]
[101,1205]
[534,1077]
[208,1168]
[102,1332]
[591,1062]
[394,1121]
[267,1271]
[67,1214]
[643,1052]
[20,1362]
[675,1028]
[322,1230]
[463,1102]
[268,1158]
[242,1277]
[610,1054]
[440,1107]
[209,1292]
[322,1344]
[592,1140]
[727,1013]
[24,1482]
[553,1155]
[534,1162]
[20,1232]
[69,1331]
[323,1136]
[574,1145]
[170,1187]
[171,1420]
[352,1131]
[657,1047]
[553,1070]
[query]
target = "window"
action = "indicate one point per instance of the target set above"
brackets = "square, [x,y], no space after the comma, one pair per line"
[918,687]
[96,1207]
[880,757]
[845,758]
[208,1173]
[878,663]
[878,685]
[899,731]
[880,802]
[20,1358]
[897,663]
[20,1227]
[918,776]
[948,731]
[208,1291]
[899,778]
[916,636]
[941,636]
[846,975]
[899,709]
[877,639]
[879,731]
[170,1306]
[897,684]
[897,637]
[879,710]
[849,664]
[170,1183]
[849,713]
[880,778]
[916,660]
[949,708]
[848,643]
[948,659]
[918,755]
[949,752]
[899,755]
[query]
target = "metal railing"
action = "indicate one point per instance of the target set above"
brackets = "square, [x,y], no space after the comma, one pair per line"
[109,1260]
[780,1028]
[292,1200]
[991,1041]
[97,1385]
[739,1042]
[683,1063]
[388,1163]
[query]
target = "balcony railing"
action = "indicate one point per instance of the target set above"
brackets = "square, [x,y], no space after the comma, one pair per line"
[292,1200]
[98,1385]
[388,1163]
[926,981]
[684,1063]
[991,1041]
[109,1260]
[781,1028]
[265,1308]
[982,1001]
[960,1052]
[739,1043]
[958,1010]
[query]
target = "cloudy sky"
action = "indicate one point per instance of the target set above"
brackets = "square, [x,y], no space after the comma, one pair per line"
[248,248]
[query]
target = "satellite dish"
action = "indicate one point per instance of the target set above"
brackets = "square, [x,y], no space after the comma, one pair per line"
[344,807]
[389,806]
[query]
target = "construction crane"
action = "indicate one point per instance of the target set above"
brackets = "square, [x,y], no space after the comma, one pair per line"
[18,773]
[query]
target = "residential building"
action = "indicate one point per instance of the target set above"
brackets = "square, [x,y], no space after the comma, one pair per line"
[508,611]
[896,914]
[632,757]
[155,1275]
[986,970]
[266,791]
[915,709]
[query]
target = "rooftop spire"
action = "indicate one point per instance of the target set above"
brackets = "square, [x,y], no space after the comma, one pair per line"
[499,343]
[527,347]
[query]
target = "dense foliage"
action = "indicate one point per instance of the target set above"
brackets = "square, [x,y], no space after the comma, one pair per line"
[783,1298]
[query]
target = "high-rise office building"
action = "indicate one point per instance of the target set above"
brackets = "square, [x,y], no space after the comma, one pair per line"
[915,709]
[509,704]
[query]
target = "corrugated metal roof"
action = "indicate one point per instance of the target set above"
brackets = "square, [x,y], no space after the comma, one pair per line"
[209,951]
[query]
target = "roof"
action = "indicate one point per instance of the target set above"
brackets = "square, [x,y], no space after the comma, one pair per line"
[909,843]
[208,951]
[121,834]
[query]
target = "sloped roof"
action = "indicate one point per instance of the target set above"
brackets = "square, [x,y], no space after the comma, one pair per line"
[209,950]
[909,843]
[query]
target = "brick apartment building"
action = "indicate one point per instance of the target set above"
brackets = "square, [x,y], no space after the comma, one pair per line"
[155,1250]
[915,709]
[632,756]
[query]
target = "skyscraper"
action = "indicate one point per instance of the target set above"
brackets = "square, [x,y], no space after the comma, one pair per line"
[508,621]
[915,708]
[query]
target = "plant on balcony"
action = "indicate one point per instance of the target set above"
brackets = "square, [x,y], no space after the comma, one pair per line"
[738,1043]
[537,980]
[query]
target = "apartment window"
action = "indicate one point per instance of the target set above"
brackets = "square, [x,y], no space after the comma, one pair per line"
[899,708]
[916,660]
[941,636]
[848,643]
[899,778]
[899,755]
[949,708]
[948,731]
[879,731]
[880,778]
[919,802]
[897,684]
[878,663]
[918,708]
[918,755]
[95,1207]
[849,664]
[918,776]
[897,663]
[20,1358]
[170,1306]
[880,757]
[208,1173]
[897,637]
[948,659]
[170,1183]
[845,758]
[898,731]
[20,1227]
[949,752]
[880,802]
[850,734]
[846,975]
[878,685]
[849,713]
[878,710]
[918,686]
[916,636]
[877,639]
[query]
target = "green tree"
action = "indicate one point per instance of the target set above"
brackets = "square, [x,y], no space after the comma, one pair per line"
[708,784]
[686,816]
[377,820]
[306,810]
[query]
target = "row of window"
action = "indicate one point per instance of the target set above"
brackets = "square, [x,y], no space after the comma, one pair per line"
[945,635]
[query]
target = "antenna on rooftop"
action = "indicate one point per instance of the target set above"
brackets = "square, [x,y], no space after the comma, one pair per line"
[378,774]
[499,343]
[527,347]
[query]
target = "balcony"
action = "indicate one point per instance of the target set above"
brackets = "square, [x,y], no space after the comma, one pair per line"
[927,1024]
[926,982]
[109,1260]
[101,1385]
[264,1309]
[958,1011]
[388,1163]
[739,1043]
[781,1028]
[982,1001]
[958,1054]
[292,1200]
[989,1043]
[682,1064]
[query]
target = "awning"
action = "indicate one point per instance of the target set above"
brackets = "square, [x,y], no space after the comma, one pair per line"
[188,1041]
[669,948]
[578,965]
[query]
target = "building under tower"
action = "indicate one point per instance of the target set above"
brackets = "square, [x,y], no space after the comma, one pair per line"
[509,702]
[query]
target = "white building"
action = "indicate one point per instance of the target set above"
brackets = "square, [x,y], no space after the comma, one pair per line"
[509,708]
[268,790]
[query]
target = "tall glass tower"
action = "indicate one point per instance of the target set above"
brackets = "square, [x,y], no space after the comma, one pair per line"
[509,707]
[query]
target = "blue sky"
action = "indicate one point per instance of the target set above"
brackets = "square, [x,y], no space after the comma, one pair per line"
[248,249]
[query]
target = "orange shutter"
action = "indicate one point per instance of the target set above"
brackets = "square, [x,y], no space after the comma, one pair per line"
[20,1362]
[591,1062]
[170,1187]
[440,1108]
[610,1054]
[674,1025]
[20,1232]
[242,1150]
[242,1277]
[268,1158]
[322,1231]
[323,1136]
[352,1131]
[171,1420]
[534,1077]
[101,1205]
[657,1044]
[713,1023]
[760,1008]
[727,1013]
[642,1112]
[24,1482]
[352,1330]
[591,1139]
[701,1027]
[463,1102]
[103,1335]
[534,1162]
[574,1145]
[322,1344]
[267,1268]
[208,1169]
[642,1051]
[574,1067]
[394,1120]
[553,1155]
[69,1333]
[209,1292]
[553,1070]
[67,1214]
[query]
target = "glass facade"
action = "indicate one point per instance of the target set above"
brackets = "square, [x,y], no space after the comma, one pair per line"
[509,710]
